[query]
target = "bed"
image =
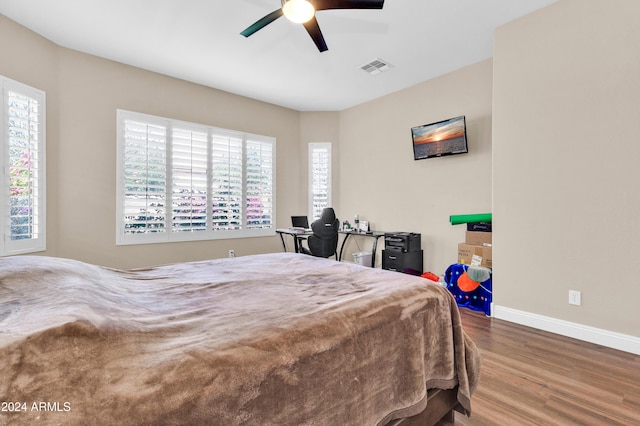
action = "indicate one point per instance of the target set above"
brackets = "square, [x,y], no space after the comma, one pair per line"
[273,339]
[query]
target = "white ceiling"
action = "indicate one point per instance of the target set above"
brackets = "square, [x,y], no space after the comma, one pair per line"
[200,41]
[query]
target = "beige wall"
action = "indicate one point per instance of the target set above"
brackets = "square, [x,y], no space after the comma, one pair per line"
[83,94]
[380,180]
[566,126]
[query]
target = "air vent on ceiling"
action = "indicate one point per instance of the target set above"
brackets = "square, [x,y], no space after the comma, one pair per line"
[376,66]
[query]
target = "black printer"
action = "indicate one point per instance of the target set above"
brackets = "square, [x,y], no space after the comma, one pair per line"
[403,241]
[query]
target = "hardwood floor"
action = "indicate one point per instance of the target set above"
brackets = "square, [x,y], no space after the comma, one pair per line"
[531,377]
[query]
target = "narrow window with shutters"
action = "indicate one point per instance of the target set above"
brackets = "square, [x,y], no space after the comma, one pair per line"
[259,184]
[227,182]
[144,177]
[183,181]
[319,177]
[189,164]
[23,140]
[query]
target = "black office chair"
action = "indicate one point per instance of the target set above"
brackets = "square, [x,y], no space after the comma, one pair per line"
[324,240]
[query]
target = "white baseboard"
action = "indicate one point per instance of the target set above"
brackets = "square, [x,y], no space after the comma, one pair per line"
[610,339]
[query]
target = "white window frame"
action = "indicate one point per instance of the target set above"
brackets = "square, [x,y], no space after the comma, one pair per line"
[314,149]
[243,230]
[37,144]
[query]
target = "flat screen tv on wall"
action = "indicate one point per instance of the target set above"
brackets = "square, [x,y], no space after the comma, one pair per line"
[446,137]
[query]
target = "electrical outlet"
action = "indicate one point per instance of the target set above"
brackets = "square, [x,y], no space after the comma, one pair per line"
[232,253]
[575,297]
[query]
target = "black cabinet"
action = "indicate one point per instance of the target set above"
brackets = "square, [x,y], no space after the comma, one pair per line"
[409,262]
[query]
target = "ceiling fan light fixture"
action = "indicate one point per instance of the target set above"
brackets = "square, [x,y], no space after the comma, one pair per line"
[298,11]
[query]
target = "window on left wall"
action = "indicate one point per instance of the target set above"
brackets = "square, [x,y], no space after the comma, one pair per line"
[181,181]
[22,130]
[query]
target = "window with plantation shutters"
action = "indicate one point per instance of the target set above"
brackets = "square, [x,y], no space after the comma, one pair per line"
[22,126]
[319,177]
[189,164]
[144,180]
[183,181]
[259,184]
[227,182]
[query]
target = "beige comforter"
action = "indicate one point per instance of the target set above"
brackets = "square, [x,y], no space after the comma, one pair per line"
[276,339]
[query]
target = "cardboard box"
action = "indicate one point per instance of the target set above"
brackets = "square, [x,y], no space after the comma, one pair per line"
[467,251]
[478,238]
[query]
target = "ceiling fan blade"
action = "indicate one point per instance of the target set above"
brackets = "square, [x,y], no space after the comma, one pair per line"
[347,4]
[313,29]
[262,22]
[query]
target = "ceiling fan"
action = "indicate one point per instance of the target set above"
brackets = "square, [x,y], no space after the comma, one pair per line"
[303,12]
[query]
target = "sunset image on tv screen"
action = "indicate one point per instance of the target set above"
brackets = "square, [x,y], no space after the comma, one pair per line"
[441,138]
[439,132]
